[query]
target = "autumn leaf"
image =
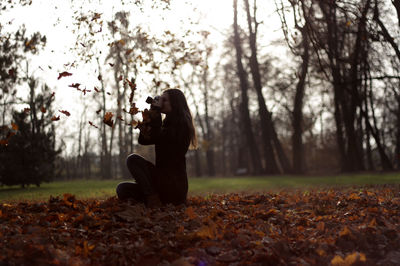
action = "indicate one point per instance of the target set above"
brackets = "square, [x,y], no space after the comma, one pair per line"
[91,123]
[85,90]
[64,112]
[14,126]
[99,77]
[98,111]
[111,64]
[55,118]
[190,213]
[96,16]
[64,74]
[74,85]
[133,110]
[11,72]
[96,89]
[108,119]
[133,123]
[348,260]
[42,109]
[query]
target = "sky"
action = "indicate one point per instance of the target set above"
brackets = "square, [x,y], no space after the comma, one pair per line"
[54,19]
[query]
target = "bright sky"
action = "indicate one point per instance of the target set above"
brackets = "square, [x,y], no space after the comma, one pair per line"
[54,19]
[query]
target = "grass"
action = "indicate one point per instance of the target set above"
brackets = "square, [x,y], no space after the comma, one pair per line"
[197,186]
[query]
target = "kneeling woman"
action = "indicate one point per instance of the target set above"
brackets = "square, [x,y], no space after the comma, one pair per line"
[166,181]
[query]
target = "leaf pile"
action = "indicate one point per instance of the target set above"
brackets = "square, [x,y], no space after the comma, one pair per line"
[324,227]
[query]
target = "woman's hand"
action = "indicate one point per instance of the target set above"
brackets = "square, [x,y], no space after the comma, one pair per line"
[144,128]
[157,102]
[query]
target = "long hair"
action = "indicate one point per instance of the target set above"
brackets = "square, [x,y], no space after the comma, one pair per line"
[181,113]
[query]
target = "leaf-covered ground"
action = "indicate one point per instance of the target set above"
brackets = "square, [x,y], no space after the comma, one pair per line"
[330,226]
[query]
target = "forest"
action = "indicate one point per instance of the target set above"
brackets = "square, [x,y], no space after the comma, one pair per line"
[319,95]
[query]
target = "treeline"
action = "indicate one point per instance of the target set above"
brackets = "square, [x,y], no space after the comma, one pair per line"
[332,104]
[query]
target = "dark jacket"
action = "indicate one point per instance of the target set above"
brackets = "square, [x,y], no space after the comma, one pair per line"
[171,144]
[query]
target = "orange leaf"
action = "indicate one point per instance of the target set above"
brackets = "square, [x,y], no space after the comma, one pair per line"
[107,119]
[14,126]
[345,231]
[190,213]
[321,226]
[55,118]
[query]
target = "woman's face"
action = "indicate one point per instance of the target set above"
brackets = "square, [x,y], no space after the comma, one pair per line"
[166,105]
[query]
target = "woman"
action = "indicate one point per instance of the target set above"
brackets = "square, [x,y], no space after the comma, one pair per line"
[166,181]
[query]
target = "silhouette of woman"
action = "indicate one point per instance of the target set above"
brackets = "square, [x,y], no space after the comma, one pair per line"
[166,181]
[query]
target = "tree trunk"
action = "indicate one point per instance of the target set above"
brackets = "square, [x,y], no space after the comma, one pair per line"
[297,144]
[397,156]
[209,133]
[244,108]
[271,166]
[105,164]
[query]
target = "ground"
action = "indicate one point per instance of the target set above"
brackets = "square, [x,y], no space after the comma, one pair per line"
[357,225]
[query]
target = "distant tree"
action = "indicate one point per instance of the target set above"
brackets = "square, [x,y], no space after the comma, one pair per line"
[29,157]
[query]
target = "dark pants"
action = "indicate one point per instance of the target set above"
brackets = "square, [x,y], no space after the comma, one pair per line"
[141,170]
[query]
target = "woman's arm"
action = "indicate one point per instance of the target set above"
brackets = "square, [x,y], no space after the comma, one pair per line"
[150,129]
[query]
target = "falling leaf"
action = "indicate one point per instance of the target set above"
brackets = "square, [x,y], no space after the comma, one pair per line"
[107,119]
[111,64]
[85,90]
[14,126]
[96,89]
[74,85]
[99,77]
[121,42]
[98,111]
[91,123]
[55,118]
[96,16]
[64,74]
[43,109]
[11,72]
[133,110]
[64,112]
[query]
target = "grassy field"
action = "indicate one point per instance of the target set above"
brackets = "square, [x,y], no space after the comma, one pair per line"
[197,186]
